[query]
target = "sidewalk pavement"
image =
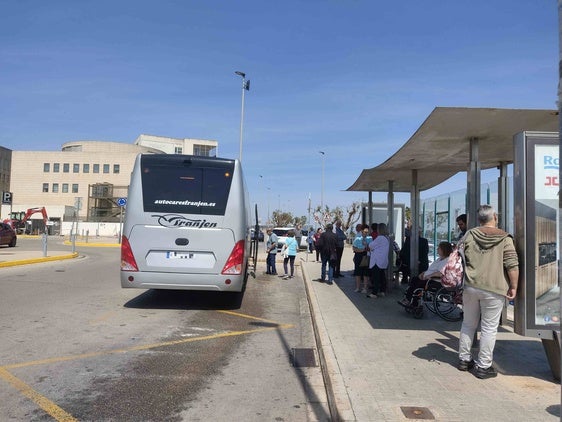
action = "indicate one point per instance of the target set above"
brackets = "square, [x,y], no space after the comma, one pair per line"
[381,364]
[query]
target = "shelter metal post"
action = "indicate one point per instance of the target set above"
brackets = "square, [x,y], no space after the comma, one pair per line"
[502,214]
[473,184]
[391,235]
[502,196]
[414,232]
[370,208]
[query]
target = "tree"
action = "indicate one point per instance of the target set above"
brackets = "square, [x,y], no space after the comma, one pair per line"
[349,215]
[300,221]
[408,214]
[286,219]
[282,219]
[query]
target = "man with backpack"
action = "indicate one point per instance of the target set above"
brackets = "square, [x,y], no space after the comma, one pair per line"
[491,275]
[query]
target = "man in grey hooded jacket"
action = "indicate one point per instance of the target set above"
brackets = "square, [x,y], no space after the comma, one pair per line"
[491,275]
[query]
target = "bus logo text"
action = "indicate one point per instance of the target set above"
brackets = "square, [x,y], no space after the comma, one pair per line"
[174,220]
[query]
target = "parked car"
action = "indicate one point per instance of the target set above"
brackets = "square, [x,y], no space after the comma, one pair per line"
[281,233]
[260,235]
[7,235]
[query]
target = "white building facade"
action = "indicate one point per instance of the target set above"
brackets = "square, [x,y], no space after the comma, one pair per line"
[85,180]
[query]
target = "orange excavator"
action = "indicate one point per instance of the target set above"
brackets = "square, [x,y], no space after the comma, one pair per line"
[18,219]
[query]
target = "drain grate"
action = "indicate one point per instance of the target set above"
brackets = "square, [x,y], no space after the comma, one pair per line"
[303,358]
[412,412]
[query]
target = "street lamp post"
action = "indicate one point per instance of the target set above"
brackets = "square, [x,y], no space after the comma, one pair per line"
[268,215]
[261,186]
[245,87]
[322,190]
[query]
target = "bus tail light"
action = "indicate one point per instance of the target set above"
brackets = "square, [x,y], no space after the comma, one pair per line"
[128,262]
[235,261]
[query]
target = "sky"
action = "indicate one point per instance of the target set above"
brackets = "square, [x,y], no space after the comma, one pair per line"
[351,78]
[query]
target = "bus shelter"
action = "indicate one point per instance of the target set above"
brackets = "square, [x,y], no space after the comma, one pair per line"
[457,139]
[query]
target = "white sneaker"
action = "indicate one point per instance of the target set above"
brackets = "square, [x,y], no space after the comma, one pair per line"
[372,295]
[381,294]
[364,291]
[357,290]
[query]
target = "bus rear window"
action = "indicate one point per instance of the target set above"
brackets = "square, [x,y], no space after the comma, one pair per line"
[185,186]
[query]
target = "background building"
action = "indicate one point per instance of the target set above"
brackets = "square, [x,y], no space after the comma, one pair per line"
[84,181]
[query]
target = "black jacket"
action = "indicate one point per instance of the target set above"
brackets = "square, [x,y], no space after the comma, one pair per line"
[328,243]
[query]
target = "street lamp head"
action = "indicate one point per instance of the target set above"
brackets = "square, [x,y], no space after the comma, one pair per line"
[240,73]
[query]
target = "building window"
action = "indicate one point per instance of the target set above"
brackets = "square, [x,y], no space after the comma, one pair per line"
[178,150]
[106,168]
[96,168]
[203,150]
[86,168]
[55,188]
[66,168]
[65,188]
[116,168]
[46,167]
[45,187]
[76,168]
[56,167]
[75,188]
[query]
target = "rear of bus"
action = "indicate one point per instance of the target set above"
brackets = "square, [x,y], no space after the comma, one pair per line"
[186,224]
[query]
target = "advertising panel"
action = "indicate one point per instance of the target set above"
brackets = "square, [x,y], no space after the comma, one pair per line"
[536,185]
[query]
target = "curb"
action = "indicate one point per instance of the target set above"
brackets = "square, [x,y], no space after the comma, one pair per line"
[38,260]
[338,399]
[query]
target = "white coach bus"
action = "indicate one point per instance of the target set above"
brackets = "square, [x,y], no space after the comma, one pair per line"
[187,225]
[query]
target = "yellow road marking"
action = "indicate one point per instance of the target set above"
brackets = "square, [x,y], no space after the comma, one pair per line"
[253,317]
[38,260]
[60,415]
[44,403]
[140,347]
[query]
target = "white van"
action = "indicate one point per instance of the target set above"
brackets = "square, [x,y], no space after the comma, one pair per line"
[187,225]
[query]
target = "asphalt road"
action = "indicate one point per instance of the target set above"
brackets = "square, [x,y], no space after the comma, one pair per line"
[75,346]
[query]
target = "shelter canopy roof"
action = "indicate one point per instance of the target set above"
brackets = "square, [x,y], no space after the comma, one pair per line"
[440,148]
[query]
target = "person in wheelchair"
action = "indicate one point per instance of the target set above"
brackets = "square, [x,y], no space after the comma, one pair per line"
[431,275]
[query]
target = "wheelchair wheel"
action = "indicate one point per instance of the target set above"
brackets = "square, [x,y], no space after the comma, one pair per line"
[429,300]
[447,304]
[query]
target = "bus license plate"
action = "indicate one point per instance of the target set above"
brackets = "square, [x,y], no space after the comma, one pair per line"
[179,255]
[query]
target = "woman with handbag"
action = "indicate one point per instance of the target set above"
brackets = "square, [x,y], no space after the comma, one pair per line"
[290,253]
[361,259]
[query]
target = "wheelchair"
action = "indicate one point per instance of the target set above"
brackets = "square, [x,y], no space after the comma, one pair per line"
[442,301]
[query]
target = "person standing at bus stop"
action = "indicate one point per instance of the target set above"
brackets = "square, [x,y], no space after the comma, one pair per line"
[341,238]
[491,275]
[461,222]
[327,244]
[292,247]
[271,247]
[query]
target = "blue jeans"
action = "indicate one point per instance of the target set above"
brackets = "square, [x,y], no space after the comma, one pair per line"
[326,260]
[270,262]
